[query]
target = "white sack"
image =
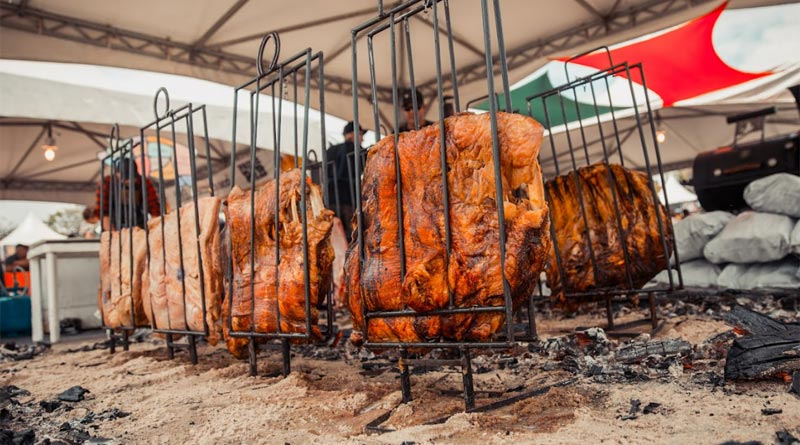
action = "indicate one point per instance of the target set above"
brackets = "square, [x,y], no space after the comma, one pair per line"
[696,273]
[751,237]
[779,274]
[694,232]
[778,193]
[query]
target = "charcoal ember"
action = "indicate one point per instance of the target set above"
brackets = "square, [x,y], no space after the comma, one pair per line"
[10,392]
[25,437]
[633,410]
[635,352]
[11,351]
[651,408]
[771,411]
[50,405]
[5,415]
[795,388]
[74,394]
[786,438]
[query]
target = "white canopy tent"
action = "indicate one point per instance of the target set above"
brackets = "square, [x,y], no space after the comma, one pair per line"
[30,231]
[217,41]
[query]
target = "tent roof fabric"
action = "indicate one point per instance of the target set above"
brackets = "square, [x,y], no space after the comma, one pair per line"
[688,65]
[30,231]
[218,40]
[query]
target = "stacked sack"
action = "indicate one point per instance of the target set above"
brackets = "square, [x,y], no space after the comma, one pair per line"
[755,249]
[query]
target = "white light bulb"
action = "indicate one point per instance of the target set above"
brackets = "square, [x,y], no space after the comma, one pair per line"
[49,154]
[661,136]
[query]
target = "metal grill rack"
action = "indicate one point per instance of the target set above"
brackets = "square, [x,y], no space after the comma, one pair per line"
[390,21]
[600,136]
[285,81]
[187,117]
[113,198]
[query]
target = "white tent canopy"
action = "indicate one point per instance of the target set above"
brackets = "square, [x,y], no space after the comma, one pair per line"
[218,41]
[677,193]
[30,231]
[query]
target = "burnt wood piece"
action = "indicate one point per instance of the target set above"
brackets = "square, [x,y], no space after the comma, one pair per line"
[761,356]
[770,348]
[638,351]
[754,322]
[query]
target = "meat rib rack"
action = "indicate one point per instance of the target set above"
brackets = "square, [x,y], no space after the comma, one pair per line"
[598,135]
[285,81]
[169,123]
[395,23]
[110,196]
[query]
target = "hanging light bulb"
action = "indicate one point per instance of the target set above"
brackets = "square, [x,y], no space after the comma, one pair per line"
[49,146]
[661,136]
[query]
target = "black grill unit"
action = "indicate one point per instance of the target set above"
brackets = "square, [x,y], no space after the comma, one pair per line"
[720,176]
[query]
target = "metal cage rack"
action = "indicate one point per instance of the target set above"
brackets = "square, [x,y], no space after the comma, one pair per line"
[394,21]
[279,78]
[187,116]
[111,196]
[573,148]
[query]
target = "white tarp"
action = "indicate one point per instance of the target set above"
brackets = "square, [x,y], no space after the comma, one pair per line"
[31,230]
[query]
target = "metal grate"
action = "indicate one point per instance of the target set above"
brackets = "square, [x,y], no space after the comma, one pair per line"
[112,197]
[602,134]
[394,23]
[280,80]
[185,118]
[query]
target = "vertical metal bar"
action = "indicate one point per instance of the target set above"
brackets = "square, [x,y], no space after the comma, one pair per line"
[125,340]
[143,147]
[323,144]
[112,341]
[443,159]
[498,181]
[286,353]
[195,201]
[296,139]
[375,103]
[397,171]
[501,48]
[412,82]
[208,152]
[609,313]
[162,204]
[303,204]
[405,379]
[132,220]
[466,373]
[251,356]
[277,173]
[253,135]
[453,72]
[192,348]
[178,205]
[170,349]
[357,176]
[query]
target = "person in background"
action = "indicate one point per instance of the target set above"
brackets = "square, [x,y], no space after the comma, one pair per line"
[89,226]
[340,171]
[123,176]
[407,103]
[18,259]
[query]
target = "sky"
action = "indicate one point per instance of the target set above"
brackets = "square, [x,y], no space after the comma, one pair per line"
[753,39]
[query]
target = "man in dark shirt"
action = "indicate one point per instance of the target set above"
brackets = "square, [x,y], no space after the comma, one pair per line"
[122,182]
[18,259]
[407,104]
[341,171]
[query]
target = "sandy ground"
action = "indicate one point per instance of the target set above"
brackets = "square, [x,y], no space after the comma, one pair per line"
[331,402]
